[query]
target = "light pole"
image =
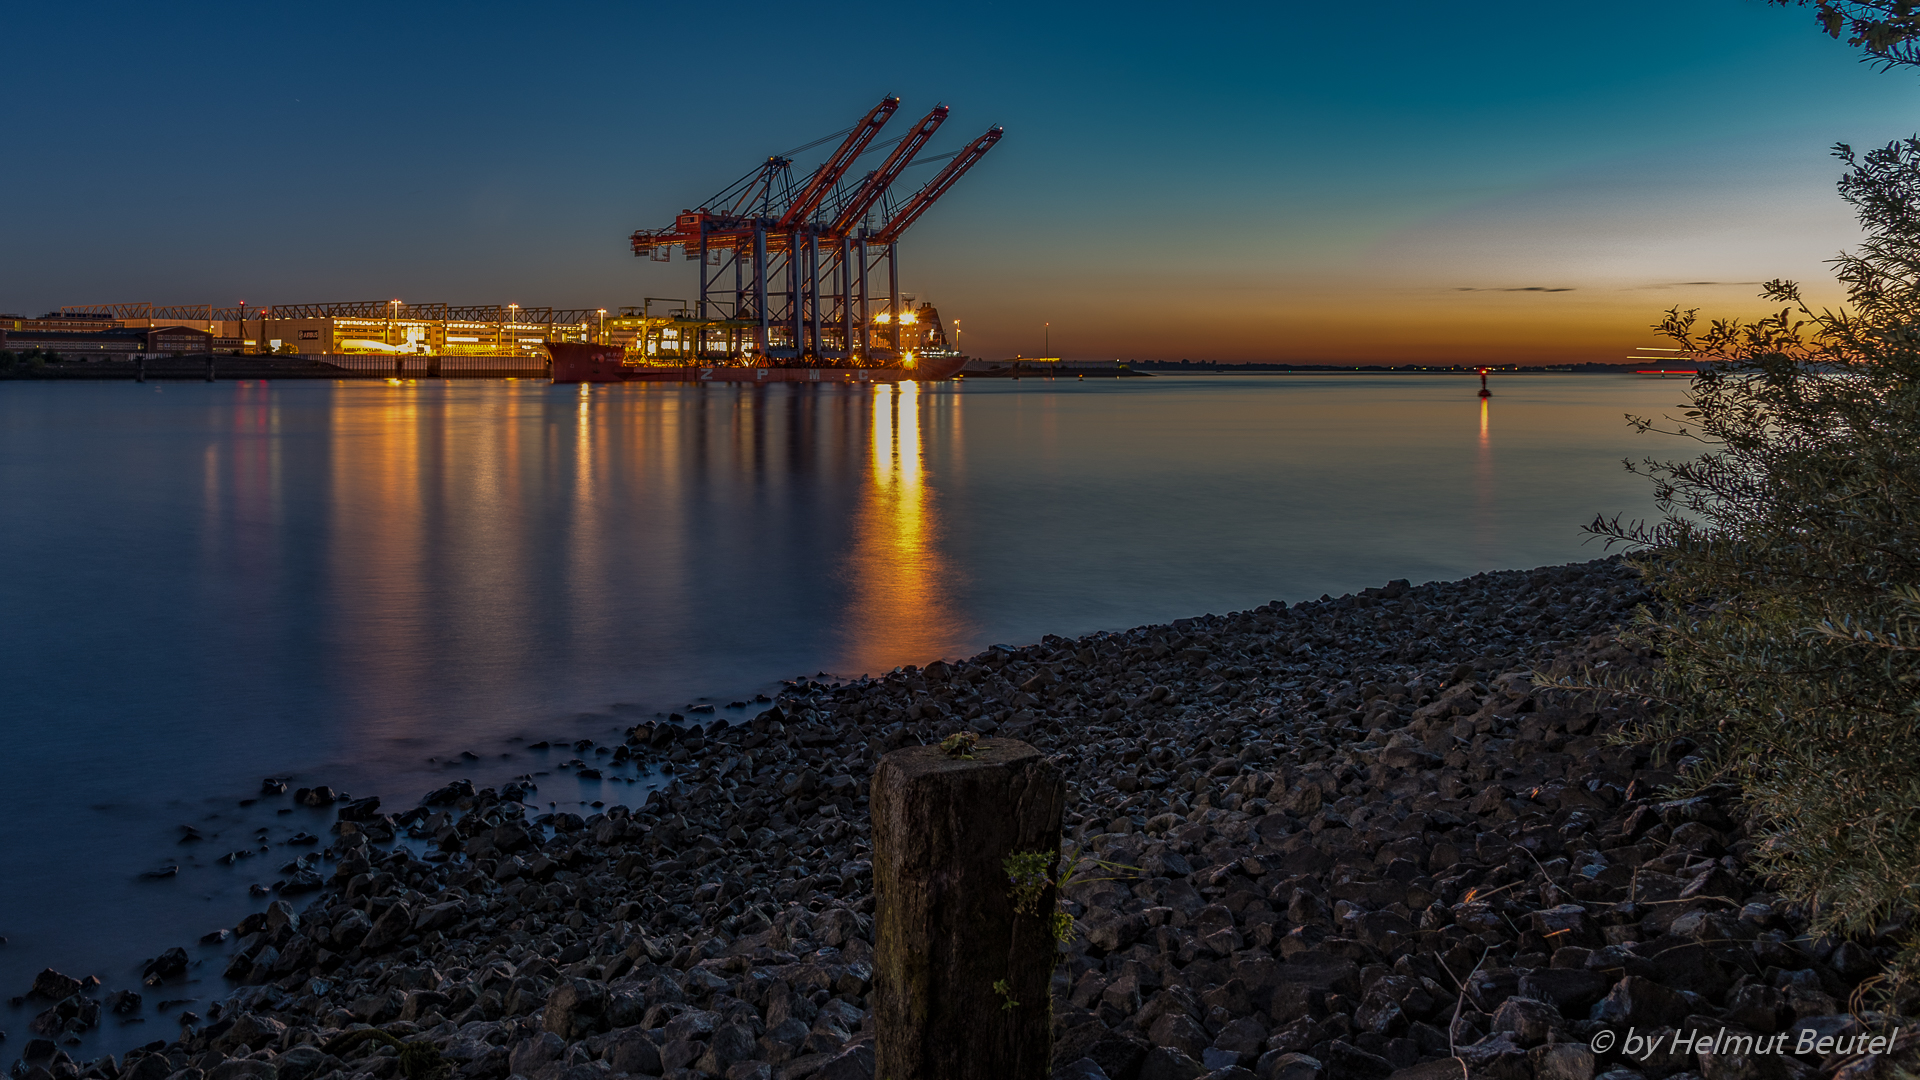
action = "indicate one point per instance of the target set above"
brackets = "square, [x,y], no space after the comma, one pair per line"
[600,336]
[513,327]
[1046,339]
[956,336]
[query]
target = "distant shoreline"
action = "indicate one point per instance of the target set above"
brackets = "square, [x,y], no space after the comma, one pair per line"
[1675,367]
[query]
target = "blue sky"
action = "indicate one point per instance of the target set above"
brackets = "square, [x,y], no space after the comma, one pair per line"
[1228,181]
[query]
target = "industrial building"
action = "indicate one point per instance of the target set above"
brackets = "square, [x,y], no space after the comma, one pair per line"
[367,328]
[99,339]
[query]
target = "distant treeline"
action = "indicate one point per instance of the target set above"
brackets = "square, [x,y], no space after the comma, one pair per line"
[1210,365]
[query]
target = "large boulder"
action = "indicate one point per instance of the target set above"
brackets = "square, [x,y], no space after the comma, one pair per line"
[575,1009]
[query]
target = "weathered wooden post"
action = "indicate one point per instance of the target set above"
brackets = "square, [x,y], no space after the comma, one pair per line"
[961,979]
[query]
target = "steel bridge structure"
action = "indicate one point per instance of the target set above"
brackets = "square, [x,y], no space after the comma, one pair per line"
[789,270]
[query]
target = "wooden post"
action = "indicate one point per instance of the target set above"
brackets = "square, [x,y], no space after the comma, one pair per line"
[945,928]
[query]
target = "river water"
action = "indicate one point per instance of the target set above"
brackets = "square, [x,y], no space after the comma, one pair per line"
[355,583]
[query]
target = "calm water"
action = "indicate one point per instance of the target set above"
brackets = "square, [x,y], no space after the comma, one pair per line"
[352,583]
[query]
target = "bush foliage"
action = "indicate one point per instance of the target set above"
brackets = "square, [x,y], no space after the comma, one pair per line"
[1788,563]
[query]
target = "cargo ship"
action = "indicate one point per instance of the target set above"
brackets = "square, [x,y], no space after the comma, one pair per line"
[586,362]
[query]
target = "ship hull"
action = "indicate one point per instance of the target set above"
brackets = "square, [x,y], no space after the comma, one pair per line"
[578,362]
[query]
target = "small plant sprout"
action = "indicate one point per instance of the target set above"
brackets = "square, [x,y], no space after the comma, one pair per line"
[960,744]
[1030,872]
[1006,995]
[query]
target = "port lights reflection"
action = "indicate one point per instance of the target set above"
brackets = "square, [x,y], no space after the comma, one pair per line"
[1486,526]
[899,612]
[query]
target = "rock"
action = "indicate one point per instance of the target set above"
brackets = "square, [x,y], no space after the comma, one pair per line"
[298,1063]
[1178,1031]
[1347,1062]
[366,809]
[438,917]
[388,929]
[1083,1069]
[691,1024]
[1757,1008]
[729,1045]
[529,1055]
[577,1008]
[251,1032]
[1167,1063]
[1119,1054]
[280,916]
[853,1063]
[350,930]
[1638,1002]
[243,1069]
[1497,1055]
[633,1052]
[1573,991]
[168,965]
[50,985]
[1241,1039]
[141,1066]
[1279,1065]
[1562,1061]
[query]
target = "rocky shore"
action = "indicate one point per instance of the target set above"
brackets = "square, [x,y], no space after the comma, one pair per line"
[1354,842]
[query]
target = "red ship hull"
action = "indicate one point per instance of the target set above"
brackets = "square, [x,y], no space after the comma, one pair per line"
[578,362]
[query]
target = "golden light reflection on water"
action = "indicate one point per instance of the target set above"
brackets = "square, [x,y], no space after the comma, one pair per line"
[1486,531]
[380,557]
[900,609]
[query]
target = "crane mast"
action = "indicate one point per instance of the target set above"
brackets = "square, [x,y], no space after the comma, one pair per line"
[877,183]
[830,172]
[923,199]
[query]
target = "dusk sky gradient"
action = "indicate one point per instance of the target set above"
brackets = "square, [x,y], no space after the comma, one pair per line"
[1295,182]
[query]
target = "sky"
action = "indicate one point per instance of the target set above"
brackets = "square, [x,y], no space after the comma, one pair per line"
[1283,181]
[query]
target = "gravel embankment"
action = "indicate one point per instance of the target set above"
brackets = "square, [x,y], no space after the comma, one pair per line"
[1362,845]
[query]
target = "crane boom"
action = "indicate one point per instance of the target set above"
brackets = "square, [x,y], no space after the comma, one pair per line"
[936,187]
[883,177]
[829,173]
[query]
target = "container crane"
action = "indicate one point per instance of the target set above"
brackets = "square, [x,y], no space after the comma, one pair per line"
[767,237]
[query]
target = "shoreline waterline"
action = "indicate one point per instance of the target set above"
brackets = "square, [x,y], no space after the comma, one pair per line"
[692,871]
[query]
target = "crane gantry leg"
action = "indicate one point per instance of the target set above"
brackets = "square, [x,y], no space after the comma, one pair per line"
[813,293]
[865,312]
[760,287]
[846,298]
[893,295]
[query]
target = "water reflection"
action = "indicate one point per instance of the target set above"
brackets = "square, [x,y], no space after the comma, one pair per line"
[1486,532]
[900,607]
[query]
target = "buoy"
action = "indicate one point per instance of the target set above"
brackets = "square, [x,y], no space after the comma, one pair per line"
[1484,392]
